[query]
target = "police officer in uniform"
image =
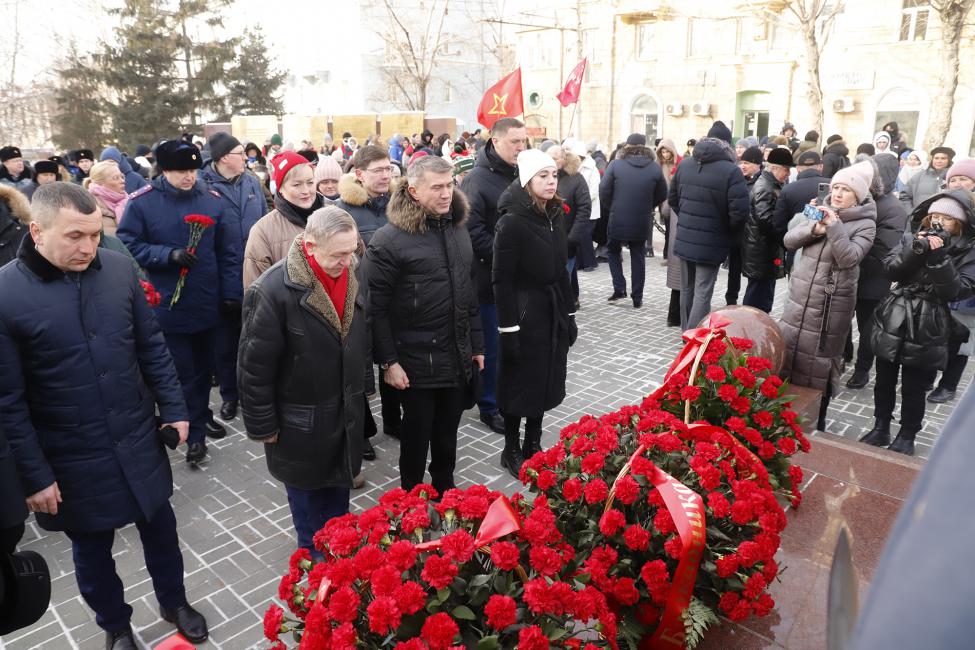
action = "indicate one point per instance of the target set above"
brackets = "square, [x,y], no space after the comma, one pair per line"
[155,231]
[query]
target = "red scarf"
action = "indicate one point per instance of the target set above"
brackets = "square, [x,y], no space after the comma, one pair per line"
[336,288]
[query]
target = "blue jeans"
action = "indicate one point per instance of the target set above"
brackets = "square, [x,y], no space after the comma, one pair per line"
[100,585]
[310,509]
[489,376]
[638,266]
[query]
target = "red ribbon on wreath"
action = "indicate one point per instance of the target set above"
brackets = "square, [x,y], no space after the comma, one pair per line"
[694,339]
[500,520]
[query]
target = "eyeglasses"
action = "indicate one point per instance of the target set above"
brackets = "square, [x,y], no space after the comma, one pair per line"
[381,170]
[242,154]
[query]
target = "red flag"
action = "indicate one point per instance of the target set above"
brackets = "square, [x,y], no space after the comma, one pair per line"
[570,94]
[503,99]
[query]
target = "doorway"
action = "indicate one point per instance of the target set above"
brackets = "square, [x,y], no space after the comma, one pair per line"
[752,113]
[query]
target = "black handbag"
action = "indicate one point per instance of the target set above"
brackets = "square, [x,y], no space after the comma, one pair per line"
[472,389]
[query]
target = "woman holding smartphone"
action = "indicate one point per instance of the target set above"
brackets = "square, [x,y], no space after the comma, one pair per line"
[823,290]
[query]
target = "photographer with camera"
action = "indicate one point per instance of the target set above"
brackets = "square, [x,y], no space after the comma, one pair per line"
[932,266]
[822,294]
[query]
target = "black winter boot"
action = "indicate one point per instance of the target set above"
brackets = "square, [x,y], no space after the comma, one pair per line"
[904,442]
[879,436]
[512,460]
[532,444]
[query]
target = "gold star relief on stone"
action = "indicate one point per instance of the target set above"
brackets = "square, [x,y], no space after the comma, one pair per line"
[498,108]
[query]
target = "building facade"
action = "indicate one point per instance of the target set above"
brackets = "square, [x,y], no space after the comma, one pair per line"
[670,69]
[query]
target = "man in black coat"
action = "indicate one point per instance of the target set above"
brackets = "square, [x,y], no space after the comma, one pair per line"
[836,155]
[494,171]
[84,367]
[710,196]
[761,246]
[426,329]
[874,285]
[303,353]
[632,189]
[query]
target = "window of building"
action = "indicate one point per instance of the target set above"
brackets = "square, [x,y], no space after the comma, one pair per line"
[590,46]
[914,20]
[644,41]
[645,117]
[900,105]
[708,37]
[535,100]
[448,91]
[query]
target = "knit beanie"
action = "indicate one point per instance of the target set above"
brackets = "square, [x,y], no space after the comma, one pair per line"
[221,144]
[720,131]
[283,163]
[276,140]
[640,140]
[857,177]
[949,207]
[962,168]
[530,162]
[327,170]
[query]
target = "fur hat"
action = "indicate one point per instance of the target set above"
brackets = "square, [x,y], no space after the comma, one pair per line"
[177,155]
[84,154]
[9,153]
[948,151]
[530,162]
[46,167]
[857,177]
[753,155]
[781,157]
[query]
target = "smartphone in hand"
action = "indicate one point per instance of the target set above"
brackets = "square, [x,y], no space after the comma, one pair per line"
[822,193]
[812,213]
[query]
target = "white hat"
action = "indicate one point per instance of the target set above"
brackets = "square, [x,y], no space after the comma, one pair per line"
[532,161]
[578,147]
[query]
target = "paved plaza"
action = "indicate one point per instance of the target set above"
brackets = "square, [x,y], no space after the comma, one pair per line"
[235,526]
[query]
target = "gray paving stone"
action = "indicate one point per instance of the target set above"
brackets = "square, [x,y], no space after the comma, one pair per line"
[235,526]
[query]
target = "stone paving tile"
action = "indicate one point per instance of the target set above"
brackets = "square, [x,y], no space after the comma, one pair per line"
[235,526]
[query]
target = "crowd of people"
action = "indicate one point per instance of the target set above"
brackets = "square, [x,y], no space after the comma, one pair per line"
[440,274]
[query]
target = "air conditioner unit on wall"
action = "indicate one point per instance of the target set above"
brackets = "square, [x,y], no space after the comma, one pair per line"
[674,108]
[701,108]
[843,105]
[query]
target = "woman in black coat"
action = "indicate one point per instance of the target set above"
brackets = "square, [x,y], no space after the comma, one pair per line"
[304,350]
[534,298]
[912,325]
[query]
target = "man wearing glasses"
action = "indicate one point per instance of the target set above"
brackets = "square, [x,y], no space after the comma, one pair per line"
[365,195]
[243,204]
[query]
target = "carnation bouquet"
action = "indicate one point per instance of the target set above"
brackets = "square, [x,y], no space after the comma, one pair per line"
[716,380]
[471,569]
[671,522]
[197,223]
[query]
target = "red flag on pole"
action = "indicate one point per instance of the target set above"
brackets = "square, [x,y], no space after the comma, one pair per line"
[570,94]
[503,99]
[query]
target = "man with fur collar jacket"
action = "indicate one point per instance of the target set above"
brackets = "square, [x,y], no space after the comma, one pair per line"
[426,326]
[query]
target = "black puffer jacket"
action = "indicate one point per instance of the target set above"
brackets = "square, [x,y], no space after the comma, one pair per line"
[578,206]
[891,224]
[300,373]
[761,243]
[483,186]
[632,187]
[835,157]
[913,324]
[423,303]
[532,288]
[710,195]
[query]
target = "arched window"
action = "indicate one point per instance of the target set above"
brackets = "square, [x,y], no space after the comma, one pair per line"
[902,106]
[645,117]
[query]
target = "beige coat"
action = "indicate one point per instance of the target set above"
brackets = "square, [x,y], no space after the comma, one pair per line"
[269,241]
[846,243]
[109,222]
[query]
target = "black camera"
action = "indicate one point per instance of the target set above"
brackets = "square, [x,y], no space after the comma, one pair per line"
[921,245]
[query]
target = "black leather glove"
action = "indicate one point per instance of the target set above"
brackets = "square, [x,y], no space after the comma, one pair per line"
[510,345]
[182,257]
[230,308]
[573,331]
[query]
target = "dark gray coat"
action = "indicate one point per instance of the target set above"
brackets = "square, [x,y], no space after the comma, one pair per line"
[300,371]
[632,188]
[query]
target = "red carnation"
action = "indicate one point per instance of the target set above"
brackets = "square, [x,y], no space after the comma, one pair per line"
[690,393]
[611,522]
[344,637]
[625,591]
[412,644]
[741,404]
[545,560]
[787,446]
[769,389]
[505,555]
[766,450]
[572,490]
[593,463]
[439,571]
[272,622]
[744,376]
[674,546]
[715,373]
[637,538]
[727,392]
[385,580]
[728,601]
[595,491]
[383,615]
[763,419]
[742,344]
[458,546]
[758,364]
[750,553]
[719,504]
[566,208]
[439,631]
[343,605]
[410,597]
[627,490]
[546,479]
[654,574]
[500,612]
[727,565]
[401,554]
[532,638]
